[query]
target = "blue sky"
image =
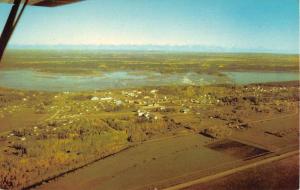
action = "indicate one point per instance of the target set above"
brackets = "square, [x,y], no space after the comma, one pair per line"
[245,24]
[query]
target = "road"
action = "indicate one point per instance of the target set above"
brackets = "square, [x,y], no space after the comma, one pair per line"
[203,182]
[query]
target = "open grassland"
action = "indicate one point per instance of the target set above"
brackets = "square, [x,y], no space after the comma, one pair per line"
[87,62]
[58,132]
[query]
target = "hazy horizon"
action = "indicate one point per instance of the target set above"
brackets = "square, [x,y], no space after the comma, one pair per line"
[146,47]
[230,25]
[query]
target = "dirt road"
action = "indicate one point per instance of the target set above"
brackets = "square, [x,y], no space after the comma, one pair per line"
[220,180]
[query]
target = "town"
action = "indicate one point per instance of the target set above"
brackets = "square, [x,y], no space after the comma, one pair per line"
[57,132]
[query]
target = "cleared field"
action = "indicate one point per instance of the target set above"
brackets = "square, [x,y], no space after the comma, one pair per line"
[266,176]
[169,161]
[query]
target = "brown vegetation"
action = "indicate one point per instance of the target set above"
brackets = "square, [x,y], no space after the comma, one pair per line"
[78,128]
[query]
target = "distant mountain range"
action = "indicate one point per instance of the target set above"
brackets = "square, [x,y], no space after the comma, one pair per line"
[178,48]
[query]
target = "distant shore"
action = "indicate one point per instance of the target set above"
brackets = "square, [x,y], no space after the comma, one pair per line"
[86,62]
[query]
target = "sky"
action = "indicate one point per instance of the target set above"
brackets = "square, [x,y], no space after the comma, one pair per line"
[260,25]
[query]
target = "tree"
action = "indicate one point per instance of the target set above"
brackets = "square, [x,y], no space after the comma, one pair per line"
[190,91]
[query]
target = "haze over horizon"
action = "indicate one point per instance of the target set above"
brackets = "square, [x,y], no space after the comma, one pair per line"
[218,25]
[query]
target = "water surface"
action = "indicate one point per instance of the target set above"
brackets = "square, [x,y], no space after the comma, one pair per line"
[261,77]
[34,80]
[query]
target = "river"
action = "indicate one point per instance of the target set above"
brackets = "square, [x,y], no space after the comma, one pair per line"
[34,80]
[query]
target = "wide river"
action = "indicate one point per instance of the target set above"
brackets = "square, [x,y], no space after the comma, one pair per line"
[34,80]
